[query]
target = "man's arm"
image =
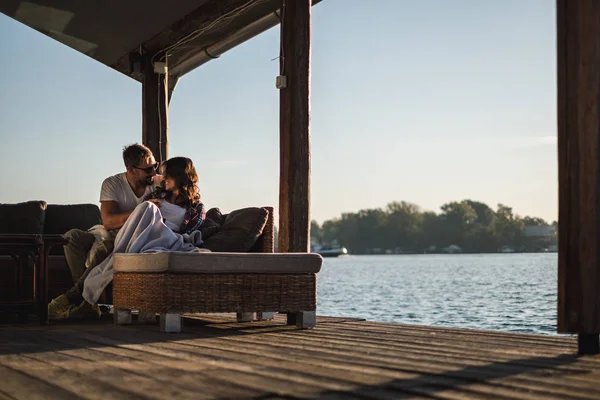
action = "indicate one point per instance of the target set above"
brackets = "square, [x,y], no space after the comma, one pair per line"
[111,217]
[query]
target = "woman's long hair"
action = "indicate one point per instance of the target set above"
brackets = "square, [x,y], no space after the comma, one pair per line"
[182,170]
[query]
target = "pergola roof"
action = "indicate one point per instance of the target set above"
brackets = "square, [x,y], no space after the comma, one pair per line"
[190,32]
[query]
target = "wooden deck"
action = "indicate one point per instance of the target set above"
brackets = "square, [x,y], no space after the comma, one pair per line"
[342,358]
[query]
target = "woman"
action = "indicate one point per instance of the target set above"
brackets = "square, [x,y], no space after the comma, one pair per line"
[178,198]
[168,221]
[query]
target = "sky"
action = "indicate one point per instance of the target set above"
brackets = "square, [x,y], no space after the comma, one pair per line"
[425,101]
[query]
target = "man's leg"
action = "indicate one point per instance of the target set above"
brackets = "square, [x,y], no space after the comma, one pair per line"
[68,305]
[76,252]
[98,253]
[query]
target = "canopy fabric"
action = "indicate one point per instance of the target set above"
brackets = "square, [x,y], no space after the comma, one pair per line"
[111,31]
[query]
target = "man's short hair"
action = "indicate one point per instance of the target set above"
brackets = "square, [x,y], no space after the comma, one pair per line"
[134,154]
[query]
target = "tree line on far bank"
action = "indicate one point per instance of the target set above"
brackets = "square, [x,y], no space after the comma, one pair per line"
[468,225]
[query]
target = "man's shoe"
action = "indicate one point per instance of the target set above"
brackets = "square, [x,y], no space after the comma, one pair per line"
[85,310]
[59,308]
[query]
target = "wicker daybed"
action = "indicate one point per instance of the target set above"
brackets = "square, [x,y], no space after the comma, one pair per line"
[252,284]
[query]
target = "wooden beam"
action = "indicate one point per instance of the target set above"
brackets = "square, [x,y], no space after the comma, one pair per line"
[155,110]
[578,57]
[294,178]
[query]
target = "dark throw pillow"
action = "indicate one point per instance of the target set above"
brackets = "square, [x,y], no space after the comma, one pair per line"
[212,223]
[214,214]
[239,231]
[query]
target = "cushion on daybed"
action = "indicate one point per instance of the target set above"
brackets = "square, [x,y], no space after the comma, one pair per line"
[27,217]
[218,263]
[61,218]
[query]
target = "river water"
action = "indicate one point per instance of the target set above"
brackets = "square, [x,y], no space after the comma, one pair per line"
[506,292]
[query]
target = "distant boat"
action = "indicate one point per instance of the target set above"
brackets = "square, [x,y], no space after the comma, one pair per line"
[331,251]
[452,249]
[506,249]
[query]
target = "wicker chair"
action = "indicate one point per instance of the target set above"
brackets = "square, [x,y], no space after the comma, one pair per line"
[253,285]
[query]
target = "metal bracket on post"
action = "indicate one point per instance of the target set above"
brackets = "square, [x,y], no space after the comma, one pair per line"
[122,316]
[135,65]
[264,316]
[588,343]
[147,317]
[245,317]
[171,323]
[306,319]
[291,318]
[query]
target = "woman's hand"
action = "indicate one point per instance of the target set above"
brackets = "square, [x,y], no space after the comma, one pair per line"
[155,201]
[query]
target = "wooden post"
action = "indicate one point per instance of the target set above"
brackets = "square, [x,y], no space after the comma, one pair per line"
[578,51]
[155,108]
[294,178]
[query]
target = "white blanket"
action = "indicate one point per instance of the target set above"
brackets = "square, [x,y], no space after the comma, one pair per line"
[143,232]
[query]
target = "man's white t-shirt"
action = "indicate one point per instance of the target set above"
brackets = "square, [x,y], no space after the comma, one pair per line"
[116,188]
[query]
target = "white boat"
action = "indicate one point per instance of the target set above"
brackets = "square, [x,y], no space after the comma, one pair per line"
[506,249]
[331,251]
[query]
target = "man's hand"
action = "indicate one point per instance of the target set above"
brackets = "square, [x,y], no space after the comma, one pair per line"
[111,217]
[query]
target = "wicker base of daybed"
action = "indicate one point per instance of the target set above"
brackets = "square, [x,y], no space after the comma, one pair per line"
[211,293]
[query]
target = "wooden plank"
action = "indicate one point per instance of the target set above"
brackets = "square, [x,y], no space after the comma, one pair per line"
[211,343]
[271,380]
[412,356]
[251,376]
[217,357]
[294,177]
[74,384]
[418,352]
[121,378]
[426,345]
[508,343]
[230,318]
[294,369]
[299,361]
[578,63]
[23,385]
[297,342]
[513,343]
[436,329]
[188,374]
[227,374]
[155,110]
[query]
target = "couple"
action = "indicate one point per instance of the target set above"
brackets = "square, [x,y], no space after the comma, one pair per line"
[141,212]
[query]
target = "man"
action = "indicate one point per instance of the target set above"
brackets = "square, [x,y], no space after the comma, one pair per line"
[119,196]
